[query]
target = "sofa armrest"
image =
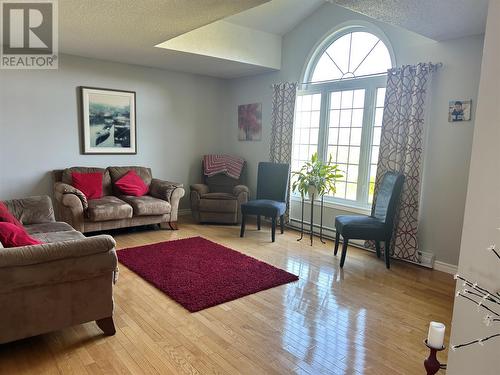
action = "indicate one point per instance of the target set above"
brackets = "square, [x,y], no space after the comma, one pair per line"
[241,192]
[56,263]
[200,189]
[32,210]
[240,189]
[169,191]
[49,252]
[62,188]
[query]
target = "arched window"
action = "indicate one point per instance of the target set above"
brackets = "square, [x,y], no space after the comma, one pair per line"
[339,109]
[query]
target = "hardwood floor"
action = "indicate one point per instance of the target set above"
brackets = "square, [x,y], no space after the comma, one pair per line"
[360,320]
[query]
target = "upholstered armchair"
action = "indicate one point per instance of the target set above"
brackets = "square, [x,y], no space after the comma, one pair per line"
[218,199]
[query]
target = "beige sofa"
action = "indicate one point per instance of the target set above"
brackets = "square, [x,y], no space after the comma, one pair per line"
[115,210]
[65,281]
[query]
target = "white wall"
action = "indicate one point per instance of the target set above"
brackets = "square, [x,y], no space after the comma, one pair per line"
[482,218]
[177,121]
[448,152]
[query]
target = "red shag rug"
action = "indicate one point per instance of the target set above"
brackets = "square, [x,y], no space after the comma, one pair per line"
[198,273]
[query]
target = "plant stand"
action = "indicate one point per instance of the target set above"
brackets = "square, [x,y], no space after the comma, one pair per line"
[311,230]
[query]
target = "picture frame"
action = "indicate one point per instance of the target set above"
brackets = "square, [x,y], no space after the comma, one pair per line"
[108,121]
[250,122]
[459,110]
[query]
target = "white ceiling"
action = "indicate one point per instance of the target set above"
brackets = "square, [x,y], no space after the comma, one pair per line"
[277,16]
[435,19]
[127,31]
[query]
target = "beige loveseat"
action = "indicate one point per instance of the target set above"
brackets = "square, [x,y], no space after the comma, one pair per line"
[67,280]
[115,210]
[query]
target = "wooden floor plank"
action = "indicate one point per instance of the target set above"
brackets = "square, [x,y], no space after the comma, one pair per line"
[362,319]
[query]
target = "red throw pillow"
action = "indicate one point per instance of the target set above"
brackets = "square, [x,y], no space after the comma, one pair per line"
[89,184]
[7,217]
[12,236]
[132,184]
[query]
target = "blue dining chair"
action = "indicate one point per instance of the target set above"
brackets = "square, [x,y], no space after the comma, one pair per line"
[379,225]
[272,188]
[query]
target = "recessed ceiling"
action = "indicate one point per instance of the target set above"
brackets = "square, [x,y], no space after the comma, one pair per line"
[127,30]
[435,19]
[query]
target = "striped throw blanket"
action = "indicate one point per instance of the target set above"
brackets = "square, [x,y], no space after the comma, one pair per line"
[230,165]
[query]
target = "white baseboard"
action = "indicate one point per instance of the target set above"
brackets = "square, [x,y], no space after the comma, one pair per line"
[445,267]
[184,212]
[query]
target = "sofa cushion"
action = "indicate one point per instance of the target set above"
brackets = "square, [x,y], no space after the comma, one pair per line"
[106,179]
[12,235]
[118,172]
[219,196]
[51,237]
[218,205]
[7,217]
[90,184]
[108,208]
[147,205]
[131,184]
[53,226]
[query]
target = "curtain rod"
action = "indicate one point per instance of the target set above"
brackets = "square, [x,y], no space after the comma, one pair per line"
[430,65]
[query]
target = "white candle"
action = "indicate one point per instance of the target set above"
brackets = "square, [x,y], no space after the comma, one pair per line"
[435,338]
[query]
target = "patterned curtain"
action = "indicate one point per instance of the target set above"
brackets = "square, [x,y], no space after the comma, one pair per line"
[282,126]
[401,149]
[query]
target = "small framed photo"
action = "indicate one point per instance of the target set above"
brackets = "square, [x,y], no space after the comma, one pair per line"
[459,110]
[250,122]
[108,121]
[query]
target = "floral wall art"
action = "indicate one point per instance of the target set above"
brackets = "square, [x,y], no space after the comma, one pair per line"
[250,122]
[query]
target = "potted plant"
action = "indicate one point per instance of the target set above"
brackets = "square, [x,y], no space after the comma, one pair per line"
[316,177]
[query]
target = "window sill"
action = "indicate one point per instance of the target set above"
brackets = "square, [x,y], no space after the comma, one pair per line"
[335,205]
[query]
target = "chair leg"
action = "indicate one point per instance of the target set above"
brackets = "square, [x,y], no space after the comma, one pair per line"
[337,241]
[243,220]
[377,248]
[273,228]
[258,222]
[344,252]
[387,253]
[282,223]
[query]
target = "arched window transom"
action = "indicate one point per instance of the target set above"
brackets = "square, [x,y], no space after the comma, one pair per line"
[352,55]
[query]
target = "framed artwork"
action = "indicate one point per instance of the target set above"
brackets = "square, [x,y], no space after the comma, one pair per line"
[250,122]
[108,121]
[459,110]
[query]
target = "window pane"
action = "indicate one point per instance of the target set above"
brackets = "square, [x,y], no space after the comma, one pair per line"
[335,100]
[343,154]
[352,173]
[357,117]
[352,55]
[376,135]
[333,136]
[359,99]
[345,117]
[354,155]
[315,119]
[306,129]
[356,137]
[347,98]
[374,158]
[380,96]
[379,112]
[332,150]
[340,193]
[344,136]
[334,118]
[351,191]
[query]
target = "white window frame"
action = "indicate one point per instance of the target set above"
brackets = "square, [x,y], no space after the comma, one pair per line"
[370,84]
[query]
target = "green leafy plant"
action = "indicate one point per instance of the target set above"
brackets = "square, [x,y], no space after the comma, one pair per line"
[316,175]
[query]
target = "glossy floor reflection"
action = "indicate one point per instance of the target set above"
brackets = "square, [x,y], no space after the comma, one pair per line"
[360,320]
